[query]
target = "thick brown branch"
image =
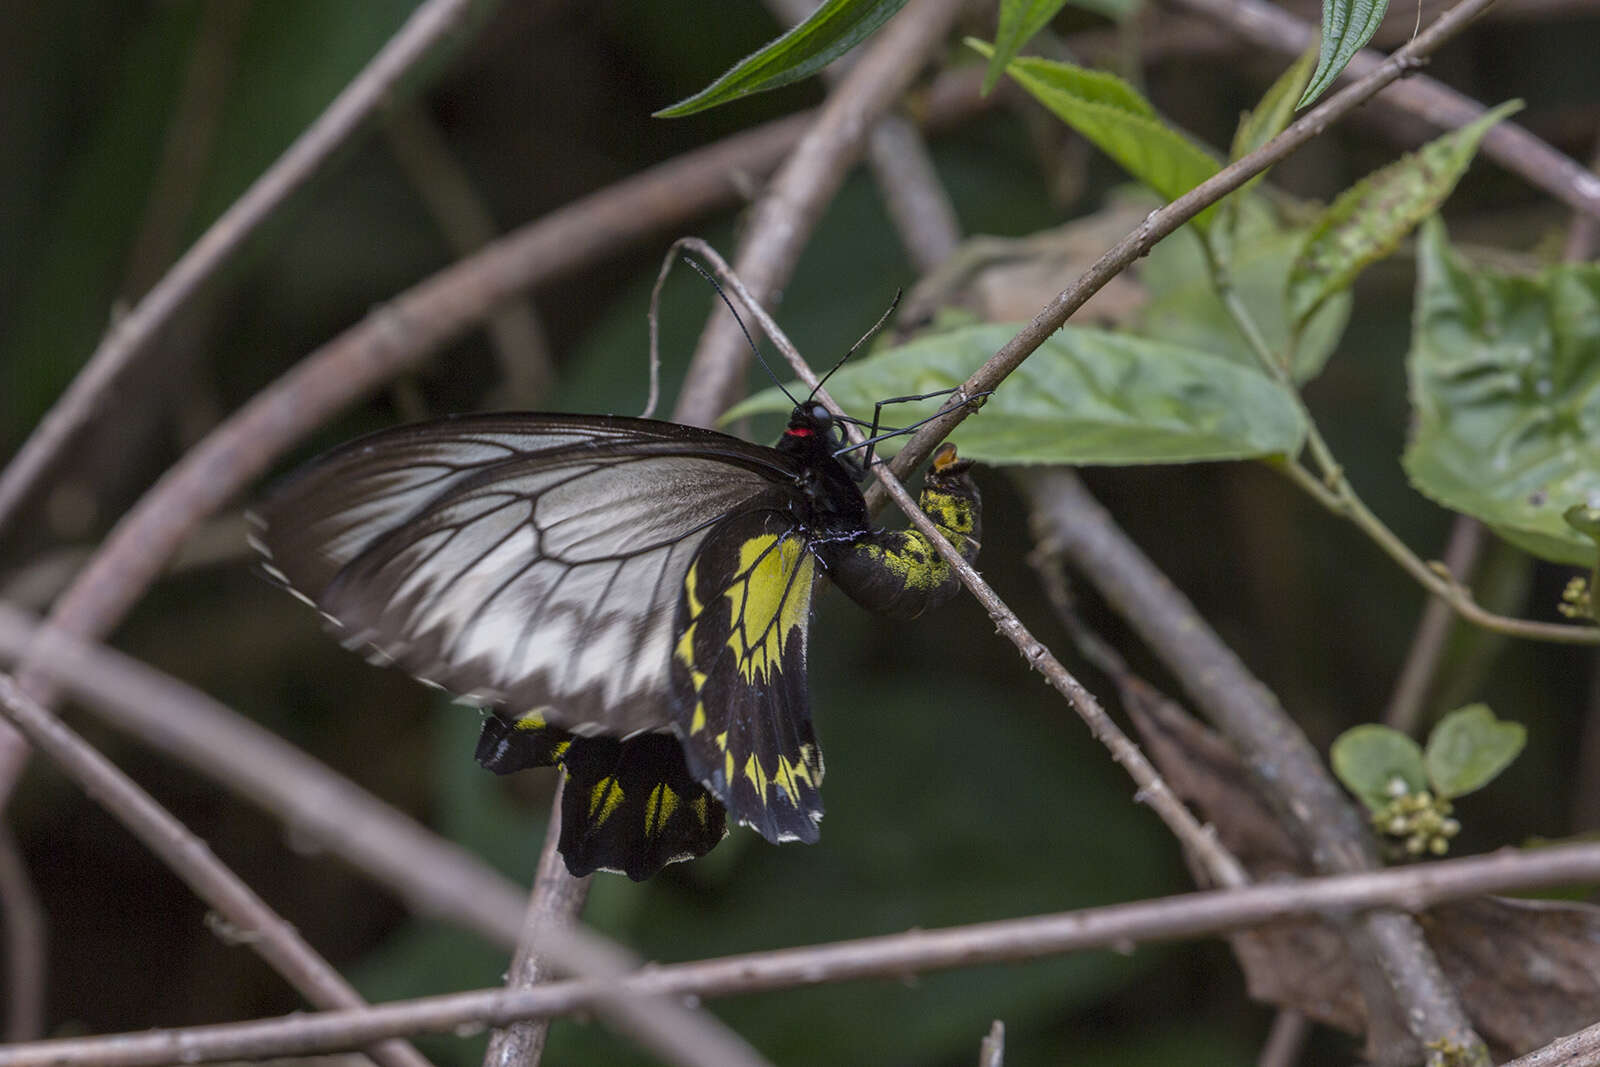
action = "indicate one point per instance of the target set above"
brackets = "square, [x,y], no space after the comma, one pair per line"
[892,957]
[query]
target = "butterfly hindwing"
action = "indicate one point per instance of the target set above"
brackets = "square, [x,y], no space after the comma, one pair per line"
[629,806]
[528,561]
[739,674]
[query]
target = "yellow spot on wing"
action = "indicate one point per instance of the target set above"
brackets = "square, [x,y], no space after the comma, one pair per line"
[769,602]
[604,799]
[757,775]
[701,810]
[658,808]
[698,722]
[531,721]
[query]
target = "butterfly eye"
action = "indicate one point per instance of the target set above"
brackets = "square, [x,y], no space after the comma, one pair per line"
[823,416]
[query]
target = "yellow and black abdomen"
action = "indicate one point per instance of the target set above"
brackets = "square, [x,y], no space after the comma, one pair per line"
[898,573]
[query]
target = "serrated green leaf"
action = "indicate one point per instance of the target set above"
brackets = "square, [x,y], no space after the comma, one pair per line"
[1368,758]
[1370,219]
[1086,396]
[1347,25]
[1469,748]
[1112,115]
[1183,307]
[1272,114]
[831,31]
[1505,387]
[1019,20]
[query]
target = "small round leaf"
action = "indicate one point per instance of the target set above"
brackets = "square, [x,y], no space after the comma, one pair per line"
[1369,758]
[1469,748]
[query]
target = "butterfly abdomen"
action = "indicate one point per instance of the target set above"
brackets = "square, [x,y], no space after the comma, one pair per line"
[898,573]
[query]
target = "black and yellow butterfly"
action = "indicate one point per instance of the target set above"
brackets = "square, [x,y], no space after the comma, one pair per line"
[630,598]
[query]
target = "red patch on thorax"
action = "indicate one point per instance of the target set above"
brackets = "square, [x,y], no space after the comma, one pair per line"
[798,431]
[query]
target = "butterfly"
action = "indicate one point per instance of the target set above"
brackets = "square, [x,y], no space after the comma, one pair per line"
[630,600]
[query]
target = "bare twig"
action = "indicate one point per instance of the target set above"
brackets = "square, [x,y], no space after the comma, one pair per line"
[1158,224]
[892,956]
[789,209]
[132,335]
[557,899]
[917,203]
[1581,1049]
[1289,769]
[1285,1040]
[1508,144]
[527,371]
[1427,645]
[257,925]
[433,876]
[992,1050]
[1220,865]
[1152,789]
[23,943]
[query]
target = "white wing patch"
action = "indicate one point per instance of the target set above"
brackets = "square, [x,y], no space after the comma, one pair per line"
[507,574]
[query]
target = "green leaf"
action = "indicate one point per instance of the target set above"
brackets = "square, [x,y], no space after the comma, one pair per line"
[1184,309]
[1272,114]
[1469,748]
[1370,219]
[831,31]
[1505,387]
[1019,21]
[1112,115]
[1347,25]
[1086,396]
[1368,758]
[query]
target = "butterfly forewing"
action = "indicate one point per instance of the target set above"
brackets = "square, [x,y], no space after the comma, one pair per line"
[529,561]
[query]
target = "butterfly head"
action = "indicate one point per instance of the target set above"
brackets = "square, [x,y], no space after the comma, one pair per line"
[812,428]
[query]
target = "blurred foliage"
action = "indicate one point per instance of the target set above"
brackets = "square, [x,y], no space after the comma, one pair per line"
[959,788]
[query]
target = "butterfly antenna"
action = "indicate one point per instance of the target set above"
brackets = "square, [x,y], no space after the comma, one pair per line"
[864,339]
[748,339]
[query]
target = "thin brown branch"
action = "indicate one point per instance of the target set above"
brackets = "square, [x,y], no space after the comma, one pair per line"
[1581,1049]
[918,206]
[916,200]
[992,1050]
[1158,224]
[892,957]
[1285,1040]
[1289,770]
[1153,790]
[557,899]
[134,334]
[1508,144]
[271,937]
[434,877]
[22,921]
[787,212]
[527,370]
[1404,712]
